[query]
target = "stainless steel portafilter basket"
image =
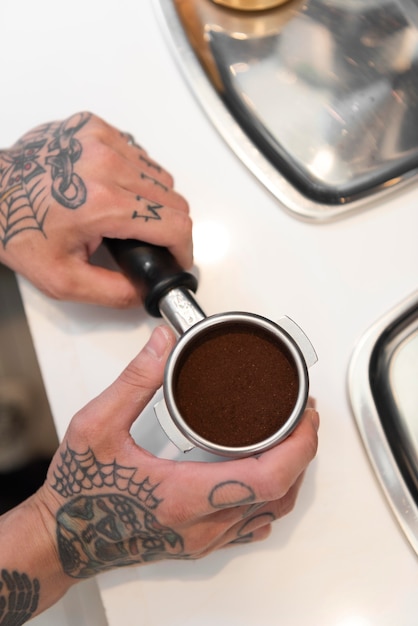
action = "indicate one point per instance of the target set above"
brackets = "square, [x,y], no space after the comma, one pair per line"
[230,388]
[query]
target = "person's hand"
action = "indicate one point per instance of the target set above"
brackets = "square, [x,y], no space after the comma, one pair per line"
[64,186]
[111,503]
[108,503]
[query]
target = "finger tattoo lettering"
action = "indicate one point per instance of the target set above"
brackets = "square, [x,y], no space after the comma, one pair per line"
[152,210]
[153,180]
[149,163]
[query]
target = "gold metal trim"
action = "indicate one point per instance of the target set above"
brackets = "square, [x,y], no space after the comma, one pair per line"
[250,5]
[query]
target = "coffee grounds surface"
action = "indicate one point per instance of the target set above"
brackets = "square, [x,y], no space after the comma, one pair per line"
[236,386]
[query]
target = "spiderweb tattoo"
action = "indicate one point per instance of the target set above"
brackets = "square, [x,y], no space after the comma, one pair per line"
[112,528]
[39,166]
[79,472]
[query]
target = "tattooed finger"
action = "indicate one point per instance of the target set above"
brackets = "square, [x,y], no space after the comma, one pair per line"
[252,509]
[131,141]
[259,534]
[231,493]
[154,169]
[152,189]
[146,177]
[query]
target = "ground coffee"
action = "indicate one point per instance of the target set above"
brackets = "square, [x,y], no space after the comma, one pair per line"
[236,385]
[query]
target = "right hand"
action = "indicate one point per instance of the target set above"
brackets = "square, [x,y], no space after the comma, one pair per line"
[111,503]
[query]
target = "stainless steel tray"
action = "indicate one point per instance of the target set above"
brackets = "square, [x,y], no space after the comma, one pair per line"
[319,98]
[383,388]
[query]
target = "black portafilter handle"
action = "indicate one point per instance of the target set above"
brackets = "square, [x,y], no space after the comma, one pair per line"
[153,269]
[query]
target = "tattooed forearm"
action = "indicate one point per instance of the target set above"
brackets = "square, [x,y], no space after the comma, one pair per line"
[19,597]
[40,165]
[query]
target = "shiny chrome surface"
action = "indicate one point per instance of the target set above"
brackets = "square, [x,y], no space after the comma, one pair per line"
[180,309]
[319,98]
[383,388]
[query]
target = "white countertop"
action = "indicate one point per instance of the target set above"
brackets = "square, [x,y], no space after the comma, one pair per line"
[340,558]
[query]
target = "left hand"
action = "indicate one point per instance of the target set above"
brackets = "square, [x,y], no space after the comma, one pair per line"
[66,185]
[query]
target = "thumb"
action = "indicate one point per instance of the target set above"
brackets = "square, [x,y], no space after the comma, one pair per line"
[120,404]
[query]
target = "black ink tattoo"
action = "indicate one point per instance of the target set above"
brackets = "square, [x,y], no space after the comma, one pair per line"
[245,532]
[152,208]
[23,199]
[113,529]
[118,526]
[252,509]
[19,598]
[130,139]
[153,180]
[67,187]
[79,472]
[24,192]
[231,493]
[155,166]
[97,533]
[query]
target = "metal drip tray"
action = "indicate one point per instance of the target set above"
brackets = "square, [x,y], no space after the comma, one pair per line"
[383,387]
[318,97]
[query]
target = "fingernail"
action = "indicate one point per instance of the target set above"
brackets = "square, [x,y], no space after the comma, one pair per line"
[315,419]
[158,342]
